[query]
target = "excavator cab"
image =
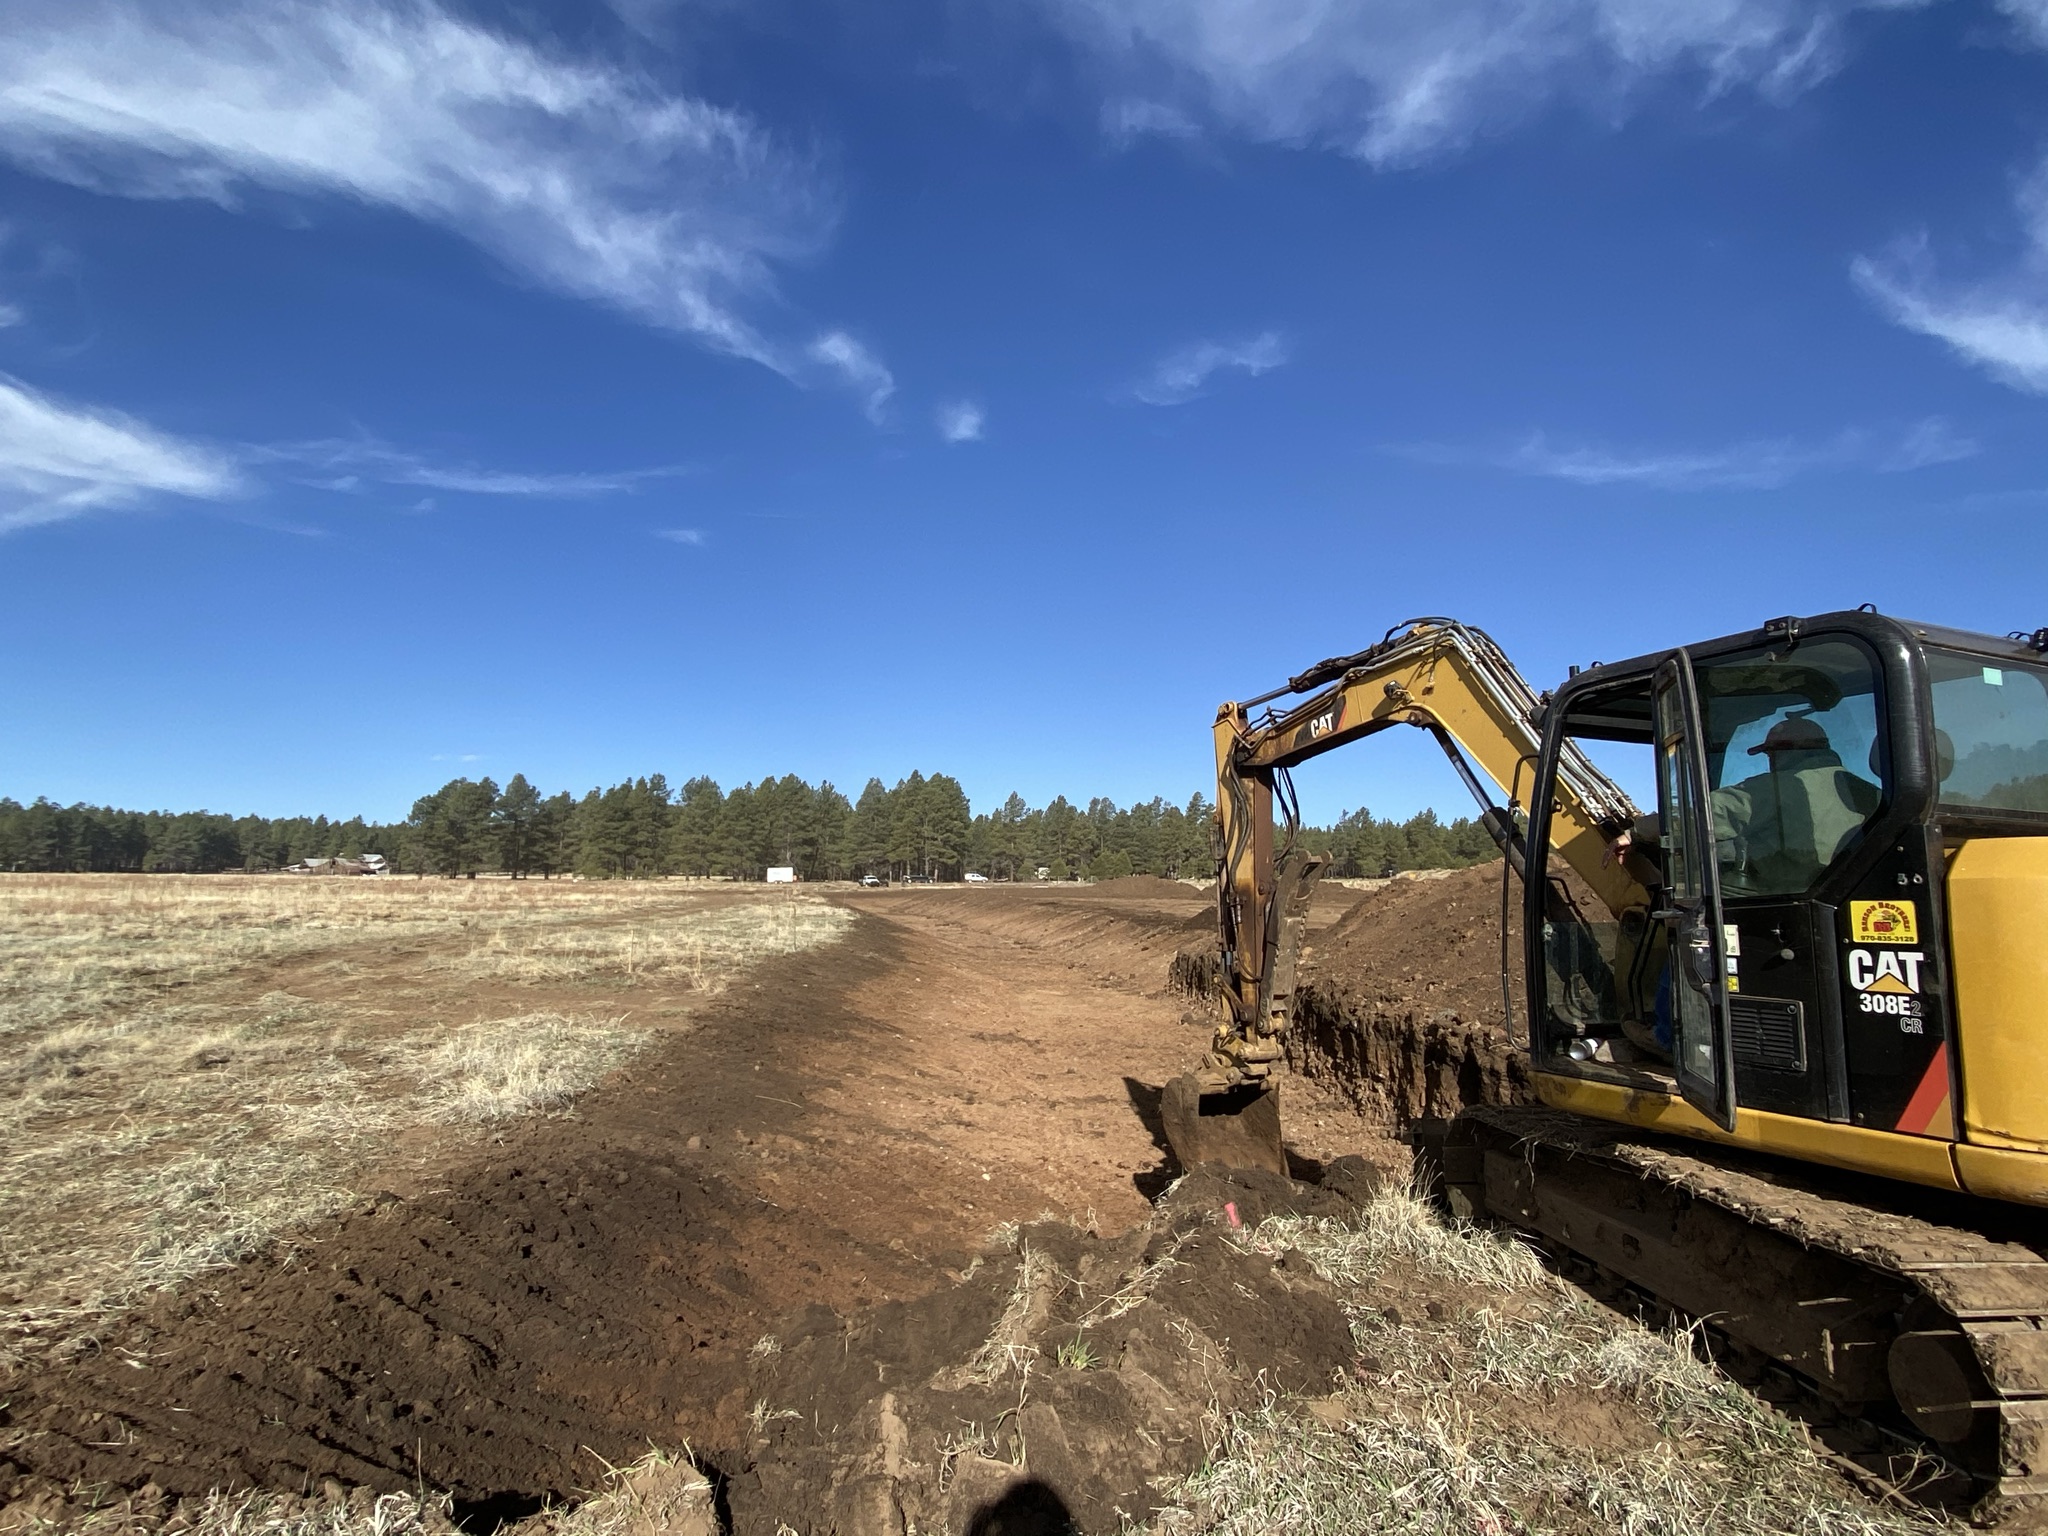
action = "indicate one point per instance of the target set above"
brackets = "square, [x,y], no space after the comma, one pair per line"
[1827,789]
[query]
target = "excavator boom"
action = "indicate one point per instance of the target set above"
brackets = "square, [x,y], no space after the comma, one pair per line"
[1438,675]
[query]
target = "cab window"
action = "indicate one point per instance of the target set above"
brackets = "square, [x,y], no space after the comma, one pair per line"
[1990,733]
[1795,759]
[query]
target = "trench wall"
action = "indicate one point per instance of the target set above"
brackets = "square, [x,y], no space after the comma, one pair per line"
[1395,1063]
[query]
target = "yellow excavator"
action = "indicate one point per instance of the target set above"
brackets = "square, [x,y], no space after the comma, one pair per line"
[1819,962]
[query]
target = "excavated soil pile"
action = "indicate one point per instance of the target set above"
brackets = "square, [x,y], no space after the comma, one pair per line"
[479,1339]
[1059,1384]
[1399,1008]
[1143,885]
[1424,945]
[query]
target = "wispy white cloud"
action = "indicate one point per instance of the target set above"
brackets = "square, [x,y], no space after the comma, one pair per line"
[1932,441]
[60,461]
[1756,465]
[348,465]
[2000,325]
[578,175]
[1398,81]
[860,370]
[1179,376]
[1128,118]
[691,536]
[1998,322]
[1741,466]
[11,314]
[2030,16]
[960,421]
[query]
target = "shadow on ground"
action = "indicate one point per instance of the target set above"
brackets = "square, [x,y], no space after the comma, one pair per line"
[1031,1508]
[1151,1182]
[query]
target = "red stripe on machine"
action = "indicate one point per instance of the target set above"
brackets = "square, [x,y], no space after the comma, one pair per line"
[1929,1097]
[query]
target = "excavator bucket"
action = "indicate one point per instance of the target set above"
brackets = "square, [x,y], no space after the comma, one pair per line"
[1237,1127]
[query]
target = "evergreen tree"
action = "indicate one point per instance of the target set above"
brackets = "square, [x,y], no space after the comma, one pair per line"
[554,835]
[452,827]
[1006,836]
[743,839]
[906,825]
[946,821]
[515,820]
[694,829]
[866,841]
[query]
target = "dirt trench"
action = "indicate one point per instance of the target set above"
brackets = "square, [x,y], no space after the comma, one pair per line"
[1399,1013]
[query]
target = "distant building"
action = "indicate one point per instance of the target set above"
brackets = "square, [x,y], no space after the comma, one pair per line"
[368,864]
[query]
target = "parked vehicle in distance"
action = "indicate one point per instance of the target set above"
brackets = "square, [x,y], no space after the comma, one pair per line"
[976,878]
[872,880]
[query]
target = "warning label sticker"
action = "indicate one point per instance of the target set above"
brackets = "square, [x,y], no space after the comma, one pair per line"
[1883,922]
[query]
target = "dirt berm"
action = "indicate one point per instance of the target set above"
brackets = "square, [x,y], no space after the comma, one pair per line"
[1400,1010]
[1064,1380]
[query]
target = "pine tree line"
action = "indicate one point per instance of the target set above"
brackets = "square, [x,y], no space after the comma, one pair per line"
[923,828]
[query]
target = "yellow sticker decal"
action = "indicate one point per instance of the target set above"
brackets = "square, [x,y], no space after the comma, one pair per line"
[1883,922]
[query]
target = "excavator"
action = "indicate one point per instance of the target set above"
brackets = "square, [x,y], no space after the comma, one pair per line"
[1787,1028]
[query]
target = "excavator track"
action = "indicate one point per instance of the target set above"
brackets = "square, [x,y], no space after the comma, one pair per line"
[1921,1316]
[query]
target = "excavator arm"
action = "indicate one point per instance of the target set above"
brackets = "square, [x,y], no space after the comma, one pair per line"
[1435,674]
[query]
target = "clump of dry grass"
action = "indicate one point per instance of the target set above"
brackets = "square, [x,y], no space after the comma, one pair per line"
[260,1512]
[1008,1346]
[252,1132]
[167,1108]
[1451,1437]
[506,1067]
[661,1494]
[704,952]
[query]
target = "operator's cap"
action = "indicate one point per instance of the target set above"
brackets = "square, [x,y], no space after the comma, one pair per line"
[1797,734]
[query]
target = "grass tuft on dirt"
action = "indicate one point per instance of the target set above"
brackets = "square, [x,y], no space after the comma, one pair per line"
[501,1068]
[661,1494]
[1513,1405]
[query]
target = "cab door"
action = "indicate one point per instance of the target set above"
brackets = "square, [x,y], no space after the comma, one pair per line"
[1702,1050]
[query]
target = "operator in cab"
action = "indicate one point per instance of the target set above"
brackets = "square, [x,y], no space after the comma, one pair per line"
[1778,829]
[1775,830]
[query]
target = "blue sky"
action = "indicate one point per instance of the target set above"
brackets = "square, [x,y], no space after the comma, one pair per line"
[389,392]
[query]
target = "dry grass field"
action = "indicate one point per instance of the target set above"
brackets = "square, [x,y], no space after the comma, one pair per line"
[191,1066]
